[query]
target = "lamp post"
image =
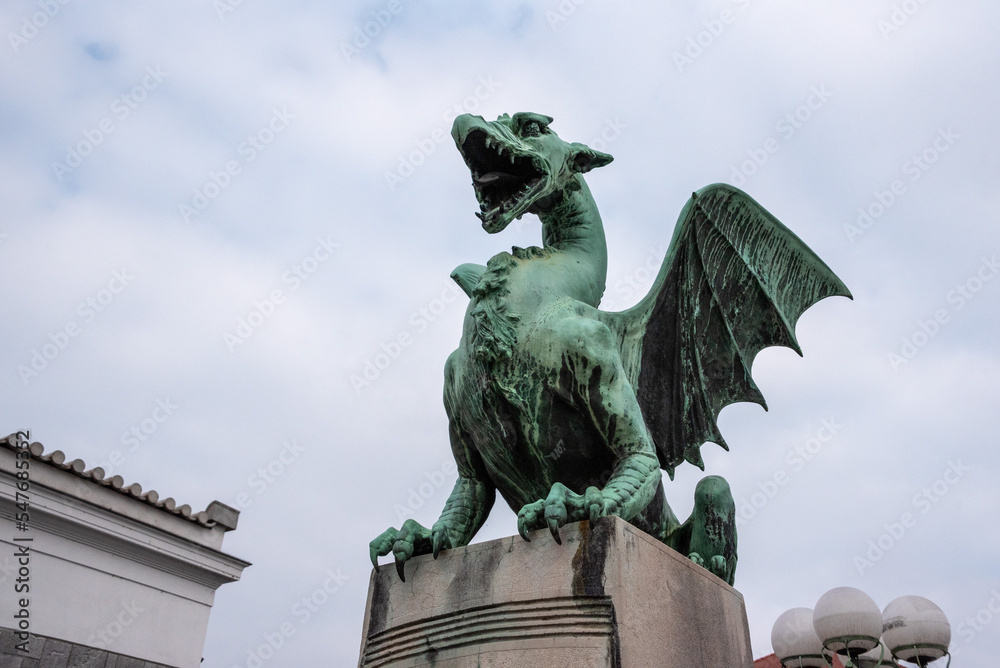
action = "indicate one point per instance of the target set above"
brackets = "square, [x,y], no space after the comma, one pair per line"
[878,657]
[846,621]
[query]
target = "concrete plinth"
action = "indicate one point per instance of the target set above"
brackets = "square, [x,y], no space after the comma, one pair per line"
[610,595]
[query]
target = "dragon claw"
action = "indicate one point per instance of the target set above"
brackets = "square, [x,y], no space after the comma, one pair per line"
[528,519]
[382,545]
[554,529]
[593,500]
[441,540]
[400,564]
[717,565]
[522,529]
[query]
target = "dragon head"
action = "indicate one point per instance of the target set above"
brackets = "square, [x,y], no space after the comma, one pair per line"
[518,164]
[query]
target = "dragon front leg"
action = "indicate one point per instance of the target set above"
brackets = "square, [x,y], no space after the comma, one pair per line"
[464,513]
[592,373]
[629,490]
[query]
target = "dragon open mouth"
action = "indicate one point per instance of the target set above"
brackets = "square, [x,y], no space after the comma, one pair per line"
[506,180]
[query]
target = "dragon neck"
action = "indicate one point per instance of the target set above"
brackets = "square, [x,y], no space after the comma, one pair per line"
[572,230]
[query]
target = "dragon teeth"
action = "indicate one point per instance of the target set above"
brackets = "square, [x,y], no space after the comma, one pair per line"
[480,216]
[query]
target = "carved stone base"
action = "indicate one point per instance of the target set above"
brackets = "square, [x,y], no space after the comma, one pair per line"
[610,595]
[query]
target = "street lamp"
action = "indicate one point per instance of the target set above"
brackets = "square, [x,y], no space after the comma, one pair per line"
[846,621]
[795,642]
[916,630]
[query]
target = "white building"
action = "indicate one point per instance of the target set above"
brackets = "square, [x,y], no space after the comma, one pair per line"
[106,575]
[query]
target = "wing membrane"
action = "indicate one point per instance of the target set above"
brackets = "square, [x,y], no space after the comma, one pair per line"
[734,281]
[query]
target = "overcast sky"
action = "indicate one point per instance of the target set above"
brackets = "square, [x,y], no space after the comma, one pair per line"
[234,208]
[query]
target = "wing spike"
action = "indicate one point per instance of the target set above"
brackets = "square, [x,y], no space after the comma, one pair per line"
[693,455]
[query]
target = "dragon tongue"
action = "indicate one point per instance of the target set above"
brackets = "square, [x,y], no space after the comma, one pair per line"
[489,178]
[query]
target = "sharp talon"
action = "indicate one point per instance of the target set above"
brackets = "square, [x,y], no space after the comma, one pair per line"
[594,513]
[441,542]
[399,569]
[554,529]
[374,556]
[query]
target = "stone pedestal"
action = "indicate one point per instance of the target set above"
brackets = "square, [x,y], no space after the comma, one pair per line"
[610,595]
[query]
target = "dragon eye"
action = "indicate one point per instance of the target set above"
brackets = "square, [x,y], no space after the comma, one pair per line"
[531,129]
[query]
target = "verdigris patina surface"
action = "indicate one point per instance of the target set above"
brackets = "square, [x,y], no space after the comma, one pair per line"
[570,412]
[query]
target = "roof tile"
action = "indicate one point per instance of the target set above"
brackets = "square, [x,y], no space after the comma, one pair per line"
[97,476]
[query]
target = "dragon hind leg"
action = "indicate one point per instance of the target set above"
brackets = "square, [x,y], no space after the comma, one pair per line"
[708,537]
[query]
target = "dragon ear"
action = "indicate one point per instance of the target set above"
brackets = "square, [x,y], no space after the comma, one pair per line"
[583,158]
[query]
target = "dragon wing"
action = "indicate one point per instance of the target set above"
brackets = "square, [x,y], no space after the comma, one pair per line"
[734,281]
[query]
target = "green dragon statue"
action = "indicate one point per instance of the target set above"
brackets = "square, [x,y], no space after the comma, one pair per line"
[570,412]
